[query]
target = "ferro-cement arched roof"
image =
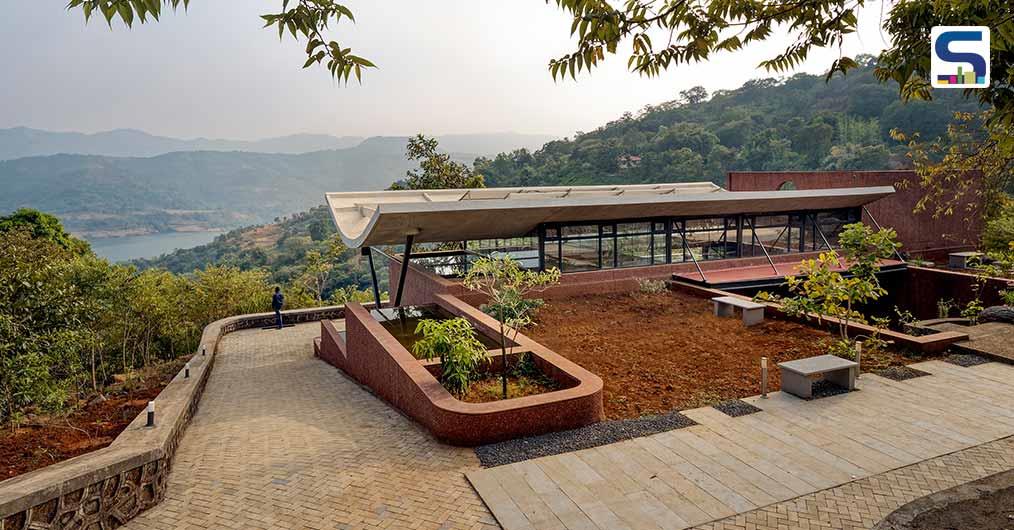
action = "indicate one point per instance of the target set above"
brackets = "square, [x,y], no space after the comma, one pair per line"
[387,217]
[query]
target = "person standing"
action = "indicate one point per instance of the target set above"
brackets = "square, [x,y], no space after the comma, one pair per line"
[277,301]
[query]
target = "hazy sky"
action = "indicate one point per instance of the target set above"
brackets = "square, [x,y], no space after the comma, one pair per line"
[446,66]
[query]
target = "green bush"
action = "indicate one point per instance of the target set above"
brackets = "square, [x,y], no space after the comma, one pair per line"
[999,232]
[453,341]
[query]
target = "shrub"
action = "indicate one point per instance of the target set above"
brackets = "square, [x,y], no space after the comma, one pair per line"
[824,291]
[999,231]
[944,308]
[649,286]
[455,343]
[505,285]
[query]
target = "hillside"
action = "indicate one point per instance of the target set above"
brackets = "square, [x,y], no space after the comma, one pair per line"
[187,191]
[21,142]
[800,123]
[280,248]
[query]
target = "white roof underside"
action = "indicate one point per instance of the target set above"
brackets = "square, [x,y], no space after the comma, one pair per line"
[387,217]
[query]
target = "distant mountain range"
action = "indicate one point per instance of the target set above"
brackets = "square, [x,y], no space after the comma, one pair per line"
[100,195]
[20,142]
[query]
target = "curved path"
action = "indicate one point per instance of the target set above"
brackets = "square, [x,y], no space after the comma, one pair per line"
[283,440]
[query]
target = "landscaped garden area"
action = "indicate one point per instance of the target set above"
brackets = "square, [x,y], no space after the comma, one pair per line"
[665,351]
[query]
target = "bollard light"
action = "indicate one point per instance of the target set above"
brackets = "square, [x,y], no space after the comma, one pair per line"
[764,377]
[204,350]
[186,371]
[859,358]
[151,414]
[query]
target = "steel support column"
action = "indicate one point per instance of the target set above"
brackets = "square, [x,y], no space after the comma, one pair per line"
[373,276]
[405,259]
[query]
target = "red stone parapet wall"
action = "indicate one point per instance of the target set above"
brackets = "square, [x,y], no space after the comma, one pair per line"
[372,356]
[920,233]
[924,287]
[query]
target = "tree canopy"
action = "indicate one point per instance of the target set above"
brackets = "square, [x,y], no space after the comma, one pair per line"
[436,169]
[42,226]
[308,21]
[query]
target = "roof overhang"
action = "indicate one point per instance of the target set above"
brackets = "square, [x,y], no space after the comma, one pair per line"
[388,217]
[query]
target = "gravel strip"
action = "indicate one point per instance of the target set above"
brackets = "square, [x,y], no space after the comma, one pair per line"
[823,389]
[594,435]
[735,408]
[901,373]
[966,359]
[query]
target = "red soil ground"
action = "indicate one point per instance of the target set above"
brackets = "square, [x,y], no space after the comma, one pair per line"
[660,352]
[44,441]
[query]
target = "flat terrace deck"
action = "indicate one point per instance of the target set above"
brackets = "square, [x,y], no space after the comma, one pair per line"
[760,275]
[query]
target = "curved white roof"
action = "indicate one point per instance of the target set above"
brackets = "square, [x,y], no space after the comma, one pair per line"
[387,217]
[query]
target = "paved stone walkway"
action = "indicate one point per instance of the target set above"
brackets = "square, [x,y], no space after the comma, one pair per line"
[864,503]
[282,440]
[811,452]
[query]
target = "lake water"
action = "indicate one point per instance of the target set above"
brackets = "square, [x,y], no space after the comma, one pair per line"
[149,246]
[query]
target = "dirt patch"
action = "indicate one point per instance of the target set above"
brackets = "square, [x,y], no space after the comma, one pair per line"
[94,424]
[984,504]
[992,511]
[659,352]
[490,387]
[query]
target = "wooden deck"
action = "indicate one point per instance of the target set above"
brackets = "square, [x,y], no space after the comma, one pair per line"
[726,466]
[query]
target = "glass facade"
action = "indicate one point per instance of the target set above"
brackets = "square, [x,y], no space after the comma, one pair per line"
[588,246]
[643,242]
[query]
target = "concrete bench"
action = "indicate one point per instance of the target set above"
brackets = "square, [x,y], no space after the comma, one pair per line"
[725,306]
[798,375]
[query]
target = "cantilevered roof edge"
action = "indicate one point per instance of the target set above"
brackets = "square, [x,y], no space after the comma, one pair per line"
[455,220]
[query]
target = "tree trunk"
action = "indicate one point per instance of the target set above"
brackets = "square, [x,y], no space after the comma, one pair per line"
[503,355]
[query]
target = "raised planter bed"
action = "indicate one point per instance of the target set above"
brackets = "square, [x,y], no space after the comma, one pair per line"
[371,355]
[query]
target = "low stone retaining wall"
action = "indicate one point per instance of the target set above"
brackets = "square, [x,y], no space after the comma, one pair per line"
[108,487]
[375,358]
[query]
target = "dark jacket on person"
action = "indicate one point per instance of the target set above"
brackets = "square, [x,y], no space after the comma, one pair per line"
[277,301]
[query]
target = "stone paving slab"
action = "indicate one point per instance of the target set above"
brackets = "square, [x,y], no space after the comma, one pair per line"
[839,462]
[992,339]
[282,440]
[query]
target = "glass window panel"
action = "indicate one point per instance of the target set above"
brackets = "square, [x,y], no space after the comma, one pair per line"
[633,228]
[634,250]
[552,233]
[608,252]
[710,239]
[580,255]
[607,229]
[771,231]
[678,253]
[580,231]
[659,248]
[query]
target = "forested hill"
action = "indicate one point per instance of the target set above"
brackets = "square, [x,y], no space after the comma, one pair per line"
[279,248]
[801,122]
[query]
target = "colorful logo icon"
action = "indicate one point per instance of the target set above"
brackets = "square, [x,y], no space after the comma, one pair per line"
[959,56]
